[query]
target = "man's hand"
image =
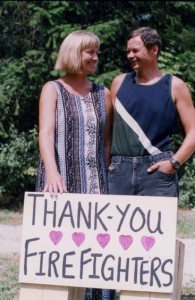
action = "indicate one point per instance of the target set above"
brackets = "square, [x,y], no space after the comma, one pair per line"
[164,166]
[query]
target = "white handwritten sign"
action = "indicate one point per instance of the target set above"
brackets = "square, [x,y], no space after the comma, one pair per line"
[102,241]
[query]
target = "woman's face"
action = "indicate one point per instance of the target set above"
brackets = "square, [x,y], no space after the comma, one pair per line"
[89,59]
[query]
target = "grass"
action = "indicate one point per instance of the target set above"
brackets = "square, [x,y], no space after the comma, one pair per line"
[9,266]
[186,224]
[9,286]
[10,217]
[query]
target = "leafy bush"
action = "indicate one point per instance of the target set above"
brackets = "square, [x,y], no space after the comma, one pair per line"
[18,162]
[187,193]
[31,32]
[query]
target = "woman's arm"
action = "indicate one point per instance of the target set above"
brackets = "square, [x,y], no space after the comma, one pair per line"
[47,115]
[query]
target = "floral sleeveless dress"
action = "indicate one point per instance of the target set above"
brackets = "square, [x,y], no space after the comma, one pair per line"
[79,148]
[79,141]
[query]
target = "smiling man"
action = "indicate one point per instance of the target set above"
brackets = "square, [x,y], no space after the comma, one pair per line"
[147,104]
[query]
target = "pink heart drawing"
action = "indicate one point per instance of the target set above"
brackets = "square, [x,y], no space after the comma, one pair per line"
[78,238]
[125,241]
[55,236]
[147,242]
[103,239]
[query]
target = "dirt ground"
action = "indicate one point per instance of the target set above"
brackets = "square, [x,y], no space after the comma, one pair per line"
[11,232]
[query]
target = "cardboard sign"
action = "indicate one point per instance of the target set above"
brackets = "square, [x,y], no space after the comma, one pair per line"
[100,241]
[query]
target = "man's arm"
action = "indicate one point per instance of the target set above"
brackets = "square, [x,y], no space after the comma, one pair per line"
[108,128]
[181,96]
[183,101]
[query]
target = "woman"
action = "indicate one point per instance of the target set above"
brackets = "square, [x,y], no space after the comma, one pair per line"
[75,117]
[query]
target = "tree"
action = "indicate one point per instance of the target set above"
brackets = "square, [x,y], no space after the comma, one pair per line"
[30,35]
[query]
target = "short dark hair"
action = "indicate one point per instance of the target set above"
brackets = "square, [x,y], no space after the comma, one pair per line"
[149,36]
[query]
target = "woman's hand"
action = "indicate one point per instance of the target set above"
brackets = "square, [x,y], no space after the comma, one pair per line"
[54,184]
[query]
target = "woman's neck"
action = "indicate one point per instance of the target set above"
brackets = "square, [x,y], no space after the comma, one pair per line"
[76,84]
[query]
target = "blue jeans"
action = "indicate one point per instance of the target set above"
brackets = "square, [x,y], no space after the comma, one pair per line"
[129,176]
[99,294]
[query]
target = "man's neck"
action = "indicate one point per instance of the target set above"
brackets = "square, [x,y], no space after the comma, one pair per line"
[148,77]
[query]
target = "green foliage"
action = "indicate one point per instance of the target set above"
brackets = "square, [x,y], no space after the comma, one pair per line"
[169,62]
[187,69]
[17,165]
[31,33]
[187,193]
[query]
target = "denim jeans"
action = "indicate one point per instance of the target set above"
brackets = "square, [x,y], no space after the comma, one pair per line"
[129,176]
[99,294]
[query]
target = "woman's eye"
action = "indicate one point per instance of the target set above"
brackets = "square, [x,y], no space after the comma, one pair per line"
[92,52]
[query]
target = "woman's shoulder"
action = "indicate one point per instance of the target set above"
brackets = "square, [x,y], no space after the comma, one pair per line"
[50,84]
[98,85]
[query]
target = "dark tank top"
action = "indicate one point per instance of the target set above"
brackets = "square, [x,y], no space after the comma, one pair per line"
[144,119]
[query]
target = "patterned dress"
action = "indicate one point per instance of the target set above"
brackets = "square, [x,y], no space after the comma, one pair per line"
[79,148]
[79,141]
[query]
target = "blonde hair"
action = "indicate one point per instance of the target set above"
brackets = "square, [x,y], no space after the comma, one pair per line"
[69,55]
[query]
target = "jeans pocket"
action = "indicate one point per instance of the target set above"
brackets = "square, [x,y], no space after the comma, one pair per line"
[113,167]
[165,174]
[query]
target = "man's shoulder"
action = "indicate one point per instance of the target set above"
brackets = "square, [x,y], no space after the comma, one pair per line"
[122,75]
[117,82]
[180,89]
[119,78]
[177,81]
[178,85]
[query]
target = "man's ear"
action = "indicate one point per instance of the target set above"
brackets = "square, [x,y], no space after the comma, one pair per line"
[155,49]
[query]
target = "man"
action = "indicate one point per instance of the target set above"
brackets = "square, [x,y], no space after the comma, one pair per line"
[147,103]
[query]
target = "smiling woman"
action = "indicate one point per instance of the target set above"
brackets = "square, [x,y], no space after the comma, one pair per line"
[75,126]
[76,42]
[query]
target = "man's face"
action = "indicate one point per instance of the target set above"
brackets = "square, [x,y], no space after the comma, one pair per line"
[138,55]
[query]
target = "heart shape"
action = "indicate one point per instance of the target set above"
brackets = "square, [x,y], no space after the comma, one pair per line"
[55,236]
[125,241]
[78,238]
[103,239]
[147,242]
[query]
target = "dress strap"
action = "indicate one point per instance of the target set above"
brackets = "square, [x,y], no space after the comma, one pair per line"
[55,84]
